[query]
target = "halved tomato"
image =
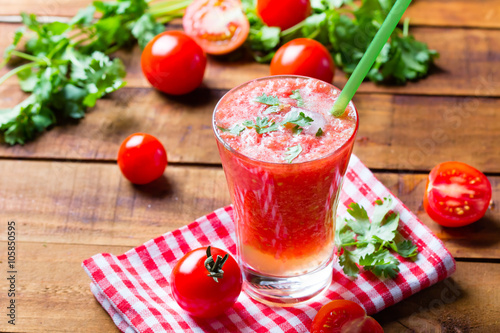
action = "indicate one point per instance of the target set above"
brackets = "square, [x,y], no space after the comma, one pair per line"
[218,26]
[343,316]
[456,194]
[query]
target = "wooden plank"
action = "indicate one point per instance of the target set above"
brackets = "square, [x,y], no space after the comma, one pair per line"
[478,240]
[91,203]
[396,132]
[466,302]
[447,13]
[455,13]
[461,69]
[88,203]
[51,281]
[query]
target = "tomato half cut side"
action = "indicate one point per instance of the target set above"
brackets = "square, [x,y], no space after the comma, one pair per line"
[218,26]
[456,194]
[333,316]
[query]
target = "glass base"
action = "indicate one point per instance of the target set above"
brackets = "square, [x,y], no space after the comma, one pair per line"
[287,291]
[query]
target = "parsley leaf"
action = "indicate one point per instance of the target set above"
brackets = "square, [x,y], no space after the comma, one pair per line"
[235,130]
[319,132]
[346,29]
[296,95]
[292,153]
[368,243]
[69,68]
[406,249]
[261,125]
[298,118]
[268,100]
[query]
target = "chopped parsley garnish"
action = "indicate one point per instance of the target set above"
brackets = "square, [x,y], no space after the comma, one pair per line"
[319,132]
[268,100]
[261,125]
[296,95]
[346,32]
[368,244]
[292,153]
[297,118]
[235,130]
[272,109]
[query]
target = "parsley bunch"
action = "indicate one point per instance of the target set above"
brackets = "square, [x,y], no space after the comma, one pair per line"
[368,244]
[346,30]
[68,68]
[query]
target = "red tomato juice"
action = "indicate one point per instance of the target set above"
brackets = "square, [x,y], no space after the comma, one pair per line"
[284,207]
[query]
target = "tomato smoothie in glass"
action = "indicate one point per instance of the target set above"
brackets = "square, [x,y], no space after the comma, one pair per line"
[284,157]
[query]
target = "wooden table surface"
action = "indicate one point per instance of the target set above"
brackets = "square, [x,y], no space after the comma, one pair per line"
[70,201]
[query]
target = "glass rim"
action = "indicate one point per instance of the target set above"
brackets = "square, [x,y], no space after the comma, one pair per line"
[272,77]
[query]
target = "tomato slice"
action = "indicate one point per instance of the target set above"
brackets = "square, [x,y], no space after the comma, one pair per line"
[343,316]
[456,194]
[218,26]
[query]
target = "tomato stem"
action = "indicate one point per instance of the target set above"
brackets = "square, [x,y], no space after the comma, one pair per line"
[215,267]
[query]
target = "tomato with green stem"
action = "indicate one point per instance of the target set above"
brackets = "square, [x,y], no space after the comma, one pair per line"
[206,282]
[343,316]
[142,158]
[173,63]
[306,57]
[218,26]
[283,14]
[456,194]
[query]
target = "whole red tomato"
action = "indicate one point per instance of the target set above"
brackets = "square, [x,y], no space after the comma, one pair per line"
[283,14]
[173,63]
[342,316]
[206,282]
[456,194]
[218,26]
[142,158]
[304,56]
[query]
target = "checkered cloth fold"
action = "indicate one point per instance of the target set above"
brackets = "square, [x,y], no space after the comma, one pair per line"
[134,287]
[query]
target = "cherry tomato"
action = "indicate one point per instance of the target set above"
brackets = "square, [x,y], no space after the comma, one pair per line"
[173,63]
[342,316]
[206,282]
[304,56]
[283,14]
[456,194]
[218,26]
[142,158]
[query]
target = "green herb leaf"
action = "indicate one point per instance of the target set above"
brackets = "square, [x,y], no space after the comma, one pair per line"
[261,125]
[319,132]
[268,100]
[406,249]
[347,32]
[145,28]
[348,262]
[297,118]
[272,109]
[368,244]
[235,130]
[292,153]
[296,95]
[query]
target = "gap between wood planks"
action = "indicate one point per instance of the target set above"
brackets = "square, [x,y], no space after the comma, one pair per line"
[199,164]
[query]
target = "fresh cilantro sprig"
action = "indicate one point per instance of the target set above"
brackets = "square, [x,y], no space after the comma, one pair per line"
[268,100]
[297,118]
[296,95]
[368,244]
[68,68]
[347,32]
[292,153]
[261,125]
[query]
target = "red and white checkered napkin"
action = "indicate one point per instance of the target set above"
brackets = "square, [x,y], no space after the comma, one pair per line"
[134,287]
